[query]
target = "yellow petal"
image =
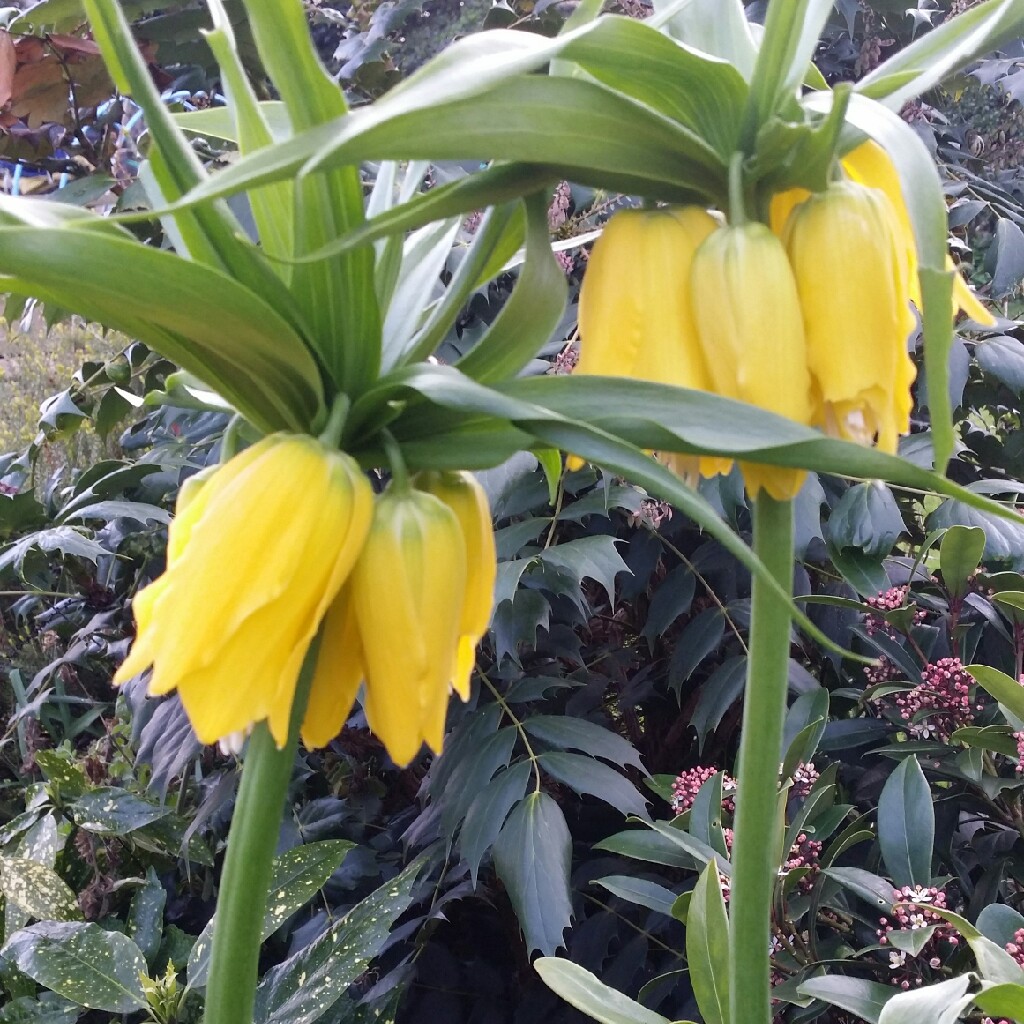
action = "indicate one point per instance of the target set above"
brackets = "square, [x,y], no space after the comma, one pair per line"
[338,676]
[964,299]
[780,482]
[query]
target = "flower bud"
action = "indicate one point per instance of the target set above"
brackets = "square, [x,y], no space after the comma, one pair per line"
[749,324]
[407,591]
[852,275]
[462,493]
[250,574]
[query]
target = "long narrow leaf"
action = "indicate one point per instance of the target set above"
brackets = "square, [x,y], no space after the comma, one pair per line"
[938,53]
[337,292]
[718,27]
[236,341]
[531,314]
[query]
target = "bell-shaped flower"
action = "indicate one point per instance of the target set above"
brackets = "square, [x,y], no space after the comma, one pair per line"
[748,321]
[464,495]
[256,554]
[853,277]
[871,165]
[635,315]
[407,591]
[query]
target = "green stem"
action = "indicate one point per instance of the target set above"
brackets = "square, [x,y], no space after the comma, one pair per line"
[764,708]
[737,203]
[245,882]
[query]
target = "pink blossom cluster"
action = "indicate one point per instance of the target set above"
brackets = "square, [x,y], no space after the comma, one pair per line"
[804,853]
[883,671]
[686,785]
[1016,946]
[911,912]
[804,776]
[1019,737]
[888,601]
[940,704]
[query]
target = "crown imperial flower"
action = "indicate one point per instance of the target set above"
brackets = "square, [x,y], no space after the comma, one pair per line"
[750,327]
[264,568]
[853,275]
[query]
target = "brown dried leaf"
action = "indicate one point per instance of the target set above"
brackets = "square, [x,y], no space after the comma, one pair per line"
[8,63]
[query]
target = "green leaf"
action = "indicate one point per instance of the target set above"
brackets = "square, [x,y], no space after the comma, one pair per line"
[960,554]
[1004,688]
[590,995]
[791,34]
[594,558]
[648,846]
[196,316]
[707,947]
[942,50]
[937,1004]
[222,122]
[873,889]
[472,773]
[82,962]
[533,311]
[999,923]
[640,891]
[532,856]
[717,27]
[1004,1000]
[672,599]
[906,825]
[66,541]
[858,995]
[866,518]
[146,917]
[488,811]
[307,984]
[579,734]
[111,811]
[700,637]
[587,776]
[47,1009]
[298,875]
[1003,540]
[722,689]
[37,890]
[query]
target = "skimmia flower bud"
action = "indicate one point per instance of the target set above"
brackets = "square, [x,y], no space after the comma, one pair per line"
[407,591]
[462,493]
[250,574]
[635,314]
[748,320]
[852,274]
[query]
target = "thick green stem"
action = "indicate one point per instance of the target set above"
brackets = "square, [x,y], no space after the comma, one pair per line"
[245,882]
[754,849]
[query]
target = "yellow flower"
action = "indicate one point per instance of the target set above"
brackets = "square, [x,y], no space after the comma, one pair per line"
[635,315]
[852,274]
[870,165]
[406,592]
[749,324]
[257,552]
[462,493]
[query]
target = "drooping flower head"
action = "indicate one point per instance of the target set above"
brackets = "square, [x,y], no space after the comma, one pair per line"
[250,574]
[748,320]
[407,591]
[853,277]
[464,495]
[635,312]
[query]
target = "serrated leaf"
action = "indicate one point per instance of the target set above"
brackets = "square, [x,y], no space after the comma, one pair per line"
[488,811]
[594,558]
[700,637]
[38,890]
[82,962]
[532,856]
[307,984]
[722,689]
[59,540]
[578,733]
[672,599]
[588,776]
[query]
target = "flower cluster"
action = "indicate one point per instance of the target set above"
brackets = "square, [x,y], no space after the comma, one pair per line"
[268,570]
[889,601]
[687,784]
[1016,946]
[674,296]
[913,911]
[804,776]
[940,704]
[804,855]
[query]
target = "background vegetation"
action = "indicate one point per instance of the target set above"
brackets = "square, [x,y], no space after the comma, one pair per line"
[589,777]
